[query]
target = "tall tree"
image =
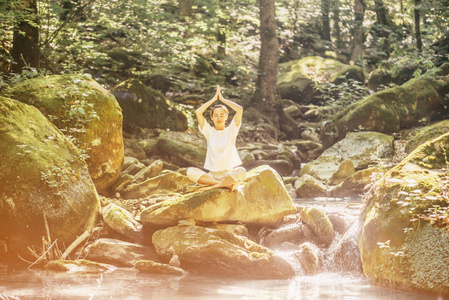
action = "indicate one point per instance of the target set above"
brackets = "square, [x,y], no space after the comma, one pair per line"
[25,49]
[265,97]
[265,94]
[221,30]
[357,45]
[326,28]
[417,25]
[185,8]
[383,23]
[336,23]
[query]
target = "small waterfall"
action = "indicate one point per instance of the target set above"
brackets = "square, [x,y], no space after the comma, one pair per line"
[292,260]
[343,254]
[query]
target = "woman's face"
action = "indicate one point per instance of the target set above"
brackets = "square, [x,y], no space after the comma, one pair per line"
[219,118]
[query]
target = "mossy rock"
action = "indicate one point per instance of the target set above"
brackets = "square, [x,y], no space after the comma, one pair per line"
[299,90]
[117,252]
[317,68]
[296,78]
[147,108]
[309,187]
[320,224]
[260,199]
[426,134]
[443,70]
[363,149]
[379,78]
[120,220]
[348,72]
[354,185]
[84,110]
[41,172]
[171,182]
[398,214]
[218,252]
[184,149]
[392,109]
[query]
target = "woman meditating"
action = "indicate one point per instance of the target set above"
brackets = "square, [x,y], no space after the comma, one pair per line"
[222,158]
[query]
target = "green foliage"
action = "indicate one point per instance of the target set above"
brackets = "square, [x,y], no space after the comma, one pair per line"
[340,96]
[13,78]
[122,39]
[116,40]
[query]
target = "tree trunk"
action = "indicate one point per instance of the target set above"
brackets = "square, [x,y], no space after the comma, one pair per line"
[265,94]
[221,32]
[384,24]
[336,21]
[417,26]
[25,50]
[265,98]
[326,29]
[185,8]
[359,12]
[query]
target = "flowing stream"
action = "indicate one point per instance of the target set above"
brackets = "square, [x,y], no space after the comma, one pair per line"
[128,283]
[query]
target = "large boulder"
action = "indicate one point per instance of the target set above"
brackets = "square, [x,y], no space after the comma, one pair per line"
[363,149]
[426,134]
[297,78]
[170,182]
[147,108]
[354,185]
[41,173]
[85,111]
[260,199]
[382,78]
[392,109]
[183,149]
[117,252]
[213,251]
[404,226]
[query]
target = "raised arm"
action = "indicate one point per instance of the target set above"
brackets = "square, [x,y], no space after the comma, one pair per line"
[200,110]
[238,109]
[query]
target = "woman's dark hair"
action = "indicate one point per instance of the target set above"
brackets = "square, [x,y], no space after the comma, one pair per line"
[219,106]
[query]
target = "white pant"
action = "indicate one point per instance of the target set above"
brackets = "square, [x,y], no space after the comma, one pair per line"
[238,174]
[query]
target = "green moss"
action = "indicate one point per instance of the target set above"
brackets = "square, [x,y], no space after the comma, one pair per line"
[145,107]
[41,171]
[389,110]
[348,72]
[426,134]
[404,208]
[181,148]
[312,67]
[86,113]
[320,224]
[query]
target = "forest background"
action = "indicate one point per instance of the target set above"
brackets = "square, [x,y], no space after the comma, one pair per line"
[184,48]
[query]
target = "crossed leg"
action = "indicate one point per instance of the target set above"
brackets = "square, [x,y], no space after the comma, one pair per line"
[227,182]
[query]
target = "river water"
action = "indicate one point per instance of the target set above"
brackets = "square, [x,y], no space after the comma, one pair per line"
[128,283]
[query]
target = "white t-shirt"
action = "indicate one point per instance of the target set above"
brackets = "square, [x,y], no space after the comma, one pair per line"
[221,150]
